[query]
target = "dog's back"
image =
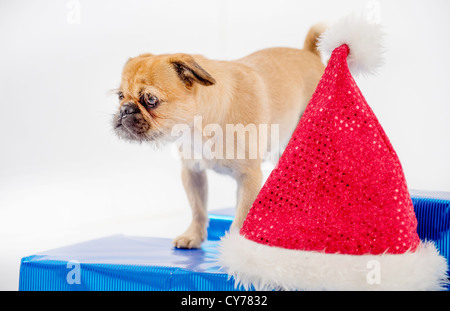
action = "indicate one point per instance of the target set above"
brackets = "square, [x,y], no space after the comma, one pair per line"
[290,76]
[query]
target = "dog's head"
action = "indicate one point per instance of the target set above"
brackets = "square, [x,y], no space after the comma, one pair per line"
[156,93]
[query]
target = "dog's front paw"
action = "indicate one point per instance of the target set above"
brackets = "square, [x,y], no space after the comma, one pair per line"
[192,237]
[188,241]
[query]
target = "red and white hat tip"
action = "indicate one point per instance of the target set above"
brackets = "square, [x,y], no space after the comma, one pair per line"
[364,39]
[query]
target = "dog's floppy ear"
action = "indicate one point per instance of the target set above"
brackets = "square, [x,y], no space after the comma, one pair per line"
[190,71]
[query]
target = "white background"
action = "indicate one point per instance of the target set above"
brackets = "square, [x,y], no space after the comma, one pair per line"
[65,177]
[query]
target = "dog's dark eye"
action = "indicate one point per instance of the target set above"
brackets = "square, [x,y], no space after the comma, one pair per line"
[149,101]
[120,95]
[152,101]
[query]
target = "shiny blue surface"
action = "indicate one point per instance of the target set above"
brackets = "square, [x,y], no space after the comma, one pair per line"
[219,223]
[142,263]
[126,263]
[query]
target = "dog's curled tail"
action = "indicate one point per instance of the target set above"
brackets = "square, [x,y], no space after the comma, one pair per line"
[313,36]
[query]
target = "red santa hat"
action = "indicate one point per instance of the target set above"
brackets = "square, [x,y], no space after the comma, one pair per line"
[335,213]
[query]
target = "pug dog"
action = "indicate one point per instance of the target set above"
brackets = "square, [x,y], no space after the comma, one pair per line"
[269,87]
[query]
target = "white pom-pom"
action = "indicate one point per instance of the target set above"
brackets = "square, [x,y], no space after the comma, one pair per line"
[364,39]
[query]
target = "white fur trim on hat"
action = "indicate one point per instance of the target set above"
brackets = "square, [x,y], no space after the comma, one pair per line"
[364,39]
[273,268]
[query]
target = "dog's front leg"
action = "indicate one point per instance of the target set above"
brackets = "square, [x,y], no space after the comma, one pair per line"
[249,185]
[196,186]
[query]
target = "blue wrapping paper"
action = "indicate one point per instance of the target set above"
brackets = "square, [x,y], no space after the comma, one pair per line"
[145,263]
[433,215]
[124,263]
[219,223]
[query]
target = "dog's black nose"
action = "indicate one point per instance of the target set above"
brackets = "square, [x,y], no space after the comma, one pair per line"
[128,109]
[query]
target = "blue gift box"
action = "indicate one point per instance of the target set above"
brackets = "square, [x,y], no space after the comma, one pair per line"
[130,263]
[144,263]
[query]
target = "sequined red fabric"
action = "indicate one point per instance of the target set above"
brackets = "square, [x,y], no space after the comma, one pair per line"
[339,186]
